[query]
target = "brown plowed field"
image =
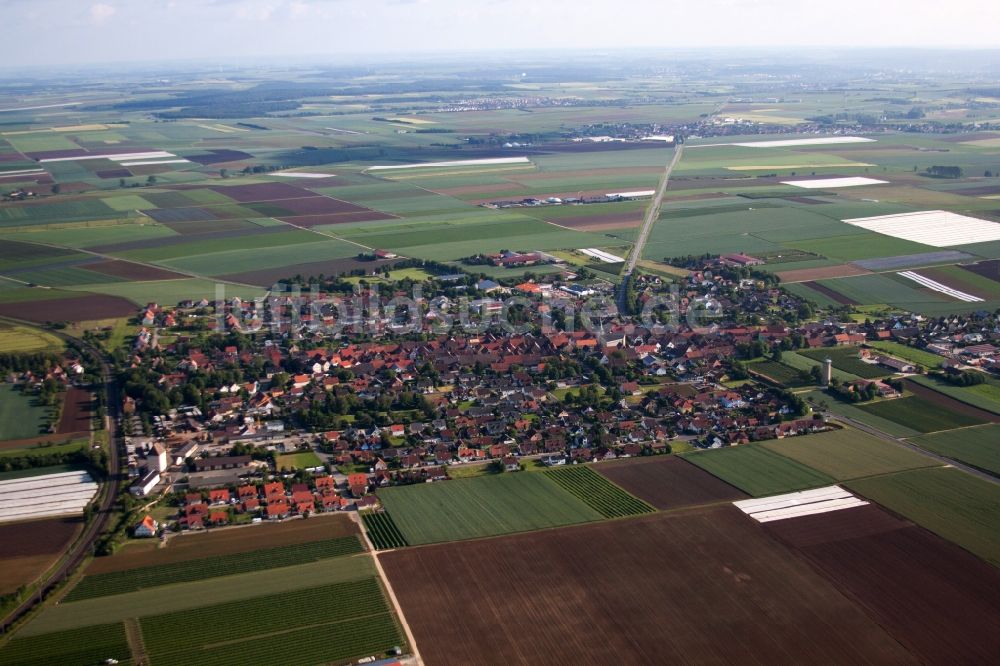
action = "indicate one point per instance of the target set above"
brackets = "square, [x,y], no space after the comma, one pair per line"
[696,586]
[262,192]
[626,220]
[668,482]
[31,442]
[950,404]
[938,600]
[988,269]
[28,549]
[314,205]
[822,273]
[76,411]
[190,546]
[826,291]
[130,271]
[956,282]
[84,308]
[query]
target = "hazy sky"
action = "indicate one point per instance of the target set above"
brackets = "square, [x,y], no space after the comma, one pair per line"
[41,32]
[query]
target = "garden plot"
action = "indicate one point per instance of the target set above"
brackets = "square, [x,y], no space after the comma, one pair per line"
[823,183]
[936,228]
[937,286]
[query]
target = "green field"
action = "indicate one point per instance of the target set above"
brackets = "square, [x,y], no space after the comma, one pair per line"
[20,417]
[184,596]
[819,398]
[24,339]
[598,492]
[483,506]
[848,454]
[799,362]
[301,460]
[955,505]
[382,530]
[780,373]
[919,414]
[758,471]
[315,625]
[978,447]
[119,582]
[846,359]
[907,353]
[984,396]
[89,645]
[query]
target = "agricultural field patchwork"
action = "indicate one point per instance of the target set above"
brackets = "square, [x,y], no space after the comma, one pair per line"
[948,502]
[597,492]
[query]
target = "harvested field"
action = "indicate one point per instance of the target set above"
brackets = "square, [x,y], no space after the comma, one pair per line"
[309,221]
[27,549]
[606,593]
[939,601]
[262,192]
[822,273]
[187,547]
[830,293]
[83,308]
[76,411]
[266,277]
[988,269]
[131,271]
[668,482]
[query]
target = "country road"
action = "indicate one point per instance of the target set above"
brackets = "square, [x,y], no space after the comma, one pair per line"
[652,212]
[108,493]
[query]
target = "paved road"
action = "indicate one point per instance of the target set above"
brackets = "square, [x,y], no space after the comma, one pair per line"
[652,212]
[108,493]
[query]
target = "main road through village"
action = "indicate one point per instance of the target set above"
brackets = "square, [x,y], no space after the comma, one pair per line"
[652,212]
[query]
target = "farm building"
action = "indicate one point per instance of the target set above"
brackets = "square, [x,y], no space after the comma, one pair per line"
[144,485]
[221,462]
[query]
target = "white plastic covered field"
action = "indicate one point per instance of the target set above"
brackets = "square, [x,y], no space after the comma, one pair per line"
[818,141]
[43,496]
[936,228]
[601,255]
[821,183]
[794,505]
[456,163]
[940,288]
